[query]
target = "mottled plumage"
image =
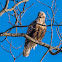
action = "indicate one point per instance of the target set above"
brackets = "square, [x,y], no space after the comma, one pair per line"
[36,31]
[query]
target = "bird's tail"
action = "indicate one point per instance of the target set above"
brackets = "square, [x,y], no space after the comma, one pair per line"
[28,48]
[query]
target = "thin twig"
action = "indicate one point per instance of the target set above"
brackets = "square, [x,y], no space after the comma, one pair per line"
[44,55]
[43,4]
[19,55]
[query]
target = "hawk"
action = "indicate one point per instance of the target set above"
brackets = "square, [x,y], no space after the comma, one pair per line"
[36,31]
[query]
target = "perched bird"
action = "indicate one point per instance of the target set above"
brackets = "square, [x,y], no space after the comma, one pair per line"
[36,31]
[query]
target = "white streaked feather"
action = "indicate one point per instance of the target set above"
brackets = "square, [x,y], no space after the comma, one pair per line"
[28,50]
[34,47]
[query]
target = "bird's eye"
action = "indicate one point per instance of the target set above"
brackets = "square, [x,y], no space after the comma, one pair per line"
[42,14]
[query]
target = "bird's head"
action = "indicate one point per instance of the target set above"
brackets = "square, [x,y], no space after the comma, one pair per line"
[41,14]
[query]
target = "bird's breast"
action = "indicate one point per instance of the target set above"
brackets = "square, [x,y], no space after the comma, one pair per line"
[40,20]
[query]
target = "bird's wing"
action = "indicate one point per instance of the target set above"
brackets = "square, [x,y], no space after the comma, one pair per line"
[31,28]
[30,31]
[28,44]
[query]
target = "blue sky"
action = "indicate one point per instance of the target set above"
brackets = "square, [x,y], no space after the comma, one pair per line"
[29,16]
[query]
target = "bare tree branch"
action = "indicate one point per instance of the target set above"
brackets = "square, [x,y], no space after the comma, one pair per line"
[5,9]
[28,37]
